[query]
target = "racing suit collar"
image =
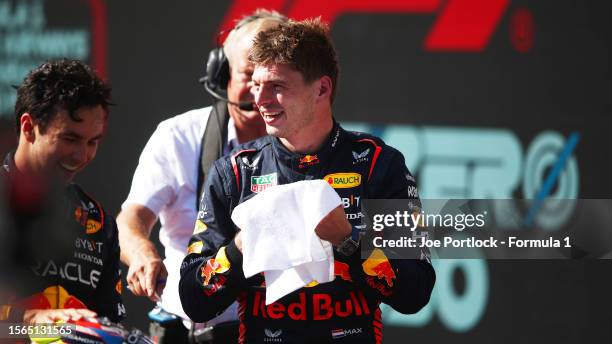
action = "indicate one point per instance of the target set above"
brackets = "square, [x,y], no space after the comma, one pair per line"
[323,154]
[10,169]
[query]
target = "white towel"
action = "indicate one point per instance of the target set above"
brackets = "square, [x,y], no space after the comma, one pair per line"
[278,236]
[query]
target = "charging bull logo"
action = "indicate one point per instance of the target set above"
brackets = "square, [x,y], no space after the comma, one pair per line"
[378,265]
[308,160]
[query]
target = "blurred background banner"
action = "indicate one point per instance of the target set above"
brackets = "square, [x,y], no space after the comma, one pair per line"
[485,98]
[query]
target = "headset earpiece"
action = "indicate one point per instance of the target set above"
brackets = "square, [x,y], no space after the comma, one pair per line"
[217,77]
[217,70]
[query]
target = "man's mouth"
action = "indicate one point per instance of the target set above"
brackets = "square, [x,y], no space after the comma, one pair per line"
[270,117]
[69,168]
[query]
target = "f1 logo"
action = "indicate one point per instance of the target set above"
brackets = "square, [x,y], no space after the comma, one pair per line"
[461,25]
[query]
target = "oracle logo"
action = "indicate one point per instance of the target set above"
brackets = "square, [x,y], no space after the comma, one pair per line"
[460,25]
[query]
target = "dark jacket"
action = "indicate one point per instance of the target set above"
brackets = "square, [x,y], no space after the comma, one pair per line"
[66,250]
[358,166]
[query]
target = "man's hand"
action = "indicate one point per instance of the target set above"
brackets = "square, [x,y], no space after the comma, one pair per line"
[238,241]
[334,227]
[146,274]
[50,316]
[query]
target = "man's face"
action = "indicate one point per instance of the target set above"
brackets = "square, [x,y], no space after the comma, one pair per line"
[286,102]
[238,87]
[67,146]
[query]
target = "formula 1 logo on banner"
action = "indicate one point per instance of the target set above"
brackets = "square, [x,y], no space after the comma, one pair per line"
[460,25]
[469,163]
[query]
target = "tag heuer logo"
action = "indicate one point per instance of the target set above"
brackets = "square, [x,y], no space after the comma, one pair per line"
[343,180]
[260,183]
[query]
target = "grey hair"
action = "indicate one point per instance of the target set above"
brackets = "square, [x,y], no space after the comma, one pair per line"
[260,14]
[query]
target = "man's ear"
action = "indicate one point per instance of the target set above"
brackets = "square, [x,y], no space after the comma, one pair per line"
[325,87]
[27,127]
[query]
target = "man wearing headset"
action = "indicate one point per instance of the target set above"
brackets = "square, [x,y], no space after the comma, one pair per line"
[172,167]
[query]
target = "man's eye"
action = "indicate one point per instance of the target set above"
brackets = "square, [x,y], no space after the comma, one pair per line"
[278,88]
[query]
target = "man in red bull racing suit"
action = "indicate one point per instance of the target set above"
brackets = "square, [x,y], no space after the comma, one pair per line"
[64,247]
[305,143]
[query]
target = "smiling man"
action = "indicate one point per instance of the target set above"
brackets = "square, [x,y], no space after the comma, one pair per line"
[66,239]
[294,83]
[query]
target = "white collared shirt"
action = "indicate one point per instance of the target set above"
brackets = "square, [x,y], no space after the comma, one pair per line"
[165,181]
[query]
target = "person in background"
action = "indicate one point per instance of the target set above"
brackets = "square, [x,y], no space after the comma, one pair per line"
[167,181]
[65,247]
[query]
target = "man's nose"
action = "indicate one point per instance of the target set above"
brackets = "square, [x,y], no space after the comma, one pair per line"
[83,154]
[262,96]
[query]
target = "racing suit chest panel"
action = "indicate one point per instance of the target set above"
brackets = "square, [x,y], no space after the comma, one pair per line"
[79,273]
[323,308]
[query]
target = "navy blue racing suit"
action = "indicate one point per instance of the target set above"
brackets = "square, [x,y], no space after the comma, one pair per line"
[64,250]
[357,166]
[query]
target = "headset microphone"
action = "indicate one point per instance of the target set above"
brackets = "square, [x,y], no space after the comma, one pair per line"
[217,77]
[244,106]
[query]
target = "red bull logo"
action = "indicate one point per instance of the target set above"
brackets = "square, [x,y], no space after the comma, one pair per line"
[308,160]
[378,265]
[209,270]
[213,268]
[322,305]
[342,270]
[384,270]
[214,287]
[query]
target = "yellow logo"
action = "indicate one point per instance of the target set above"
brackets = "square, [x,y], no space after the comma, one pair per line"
[196,247]
[92,226]
[200,227]
[343,180]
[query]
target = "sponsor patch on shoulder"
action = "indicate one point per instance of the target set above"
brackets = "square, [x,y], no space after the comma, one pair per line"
[200,227]
[196,247]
